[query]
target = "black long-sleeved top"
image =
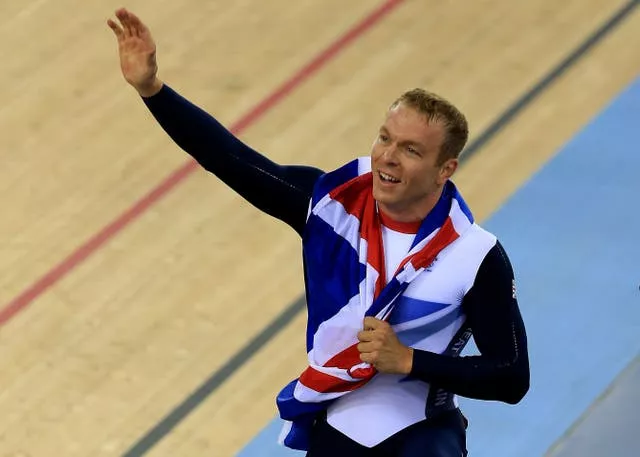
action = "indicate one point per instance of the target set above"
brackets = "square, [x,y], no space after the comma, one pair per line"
[500,372]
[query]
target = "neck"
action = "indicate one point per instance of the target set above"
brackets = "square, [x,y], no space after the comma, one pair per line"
[413,211]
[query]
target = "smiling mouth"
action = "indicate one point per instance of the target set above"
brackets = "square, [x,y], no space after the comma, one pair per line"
[384,177]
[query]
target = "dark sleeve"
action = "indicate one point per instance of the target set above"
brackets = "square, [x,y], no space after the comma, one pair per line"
[282,191]
[501,371]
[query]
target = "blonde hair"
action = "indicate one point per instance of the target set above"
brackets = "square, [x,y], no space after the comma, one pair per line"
[438,109]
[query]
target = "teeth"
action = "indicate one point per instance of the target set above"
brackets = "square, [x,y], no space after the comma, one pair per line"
[386,177]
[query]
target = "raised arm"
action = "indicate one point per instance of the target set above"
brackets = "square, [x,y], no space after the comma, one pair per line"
[280,191]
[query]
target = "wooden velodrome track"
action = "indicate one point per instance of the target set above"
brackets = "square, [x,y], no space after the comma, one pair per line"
[115,303]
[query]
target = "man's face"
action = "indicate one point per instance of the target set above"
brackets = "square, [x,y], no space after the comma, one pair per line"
[407,178]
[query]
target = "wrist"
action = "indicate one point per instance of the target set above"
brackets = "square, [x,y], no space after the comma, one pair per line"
[150,89]
[408,361]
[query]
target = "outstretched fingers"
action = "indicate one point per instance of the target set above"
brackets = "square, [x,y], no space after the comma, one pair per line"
[123,16]
[117,30]
[137,26]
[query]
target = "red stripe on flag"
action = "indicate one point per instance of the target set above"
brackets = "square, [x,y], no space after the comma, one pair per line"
[326,383]
[345,359]
[423,258]
[353,193]
[356,197]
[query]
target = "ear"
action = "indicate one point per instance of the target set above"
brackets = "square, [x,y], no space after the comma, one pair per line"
[447,169]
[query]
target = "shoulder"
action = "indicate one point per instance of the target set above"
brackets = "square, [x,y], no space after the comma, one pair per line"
[476,243]
[495,252]
[486,257]
[495,271]
[332,179]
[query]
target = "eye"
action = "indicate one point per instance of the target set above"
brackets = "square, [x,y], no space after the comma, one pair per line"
[412,150]
[383,138]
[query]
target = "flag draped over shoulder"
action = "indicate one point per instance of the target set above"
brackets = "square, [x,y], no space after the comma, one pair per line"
[345,281]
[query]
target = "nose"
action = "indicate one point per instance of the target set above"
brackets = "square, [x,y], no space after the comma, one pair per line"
[390,154]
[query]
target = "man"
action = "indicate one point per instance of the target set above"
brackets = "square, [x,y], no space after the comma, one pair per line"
[397,274]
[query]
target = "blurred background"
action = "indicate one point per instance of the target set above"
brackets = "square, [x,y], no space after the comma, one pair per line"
[146,309]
